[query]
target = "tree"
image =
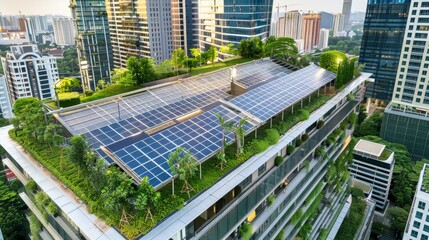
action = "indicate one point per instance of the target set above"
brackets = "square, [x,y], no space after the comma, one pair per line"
[226,126]
[178,58]
[224,49]
[239,132]
[147,198]
[371,126]
[212,54]
[182,163]
[123,76]
[101,84]
[190,63]
[68,65]
[399,218]
[331,60]
[282,48]
[196,53]
[141,70]
[67,85]
[78,150]
[52,135]
[30,118]
[248,48]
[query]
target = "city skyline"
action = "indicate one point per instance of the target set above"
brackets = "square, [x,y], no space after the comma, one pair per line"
[60,7]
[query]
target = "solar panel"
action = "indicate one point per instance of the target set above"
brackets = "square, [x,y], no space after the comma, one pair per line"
[269,99]
[201,135]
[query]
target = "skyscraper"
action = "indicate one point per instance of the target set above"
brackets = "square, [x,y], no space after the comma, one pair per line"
[326,20]
[289,25]
[28,73]
[36,25]
[381,44]
[337,24]
[347,10]
[63,31]
[323,38]
[92,41]
[406,118]
[310,31]
[232,21]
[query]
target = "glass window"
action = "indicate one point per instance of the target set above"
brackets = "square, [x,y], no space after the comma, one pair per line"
[262,169]
[426,228]
[422,205]
[416,224]
[424,237]
[414,233]
[419,215]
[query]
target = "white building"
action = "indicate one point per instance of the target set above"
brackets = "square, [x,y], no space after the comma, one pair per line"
[5,107]
[418,220]
[373,164]
[28,73]
[338,24]
[63,31]
[323,38]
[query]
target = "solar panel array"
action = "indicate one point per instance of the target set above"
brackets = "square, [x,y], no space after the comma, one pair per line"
[201,135]
[268,100]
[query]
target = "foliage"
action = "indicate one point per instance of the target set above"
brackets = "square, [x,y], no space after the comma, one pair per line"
[118,189]
[362,115]
[109,91]
[123,77]
[250,48]
[298,142]
[183,164]
[281,235]
[196,53]
[259,145]
[305,137]
[353,220]
[219,65]
[190,63]
[371,126]
[52,208]
[331,60]
[68,99]
[278,160]
[212,54]
[305,230]
[282,48]
[345,72]
[320,124]
[290,149]
[13,223]
[296,217]
[69,63]
[400,217]
[142,70]
[67,85]
[227,49]
[246,231]
[35,227]
[31,186]
[270,199]
[272,136]
[78,150]
[89,93]
[303,114]
[353,118]
[345,44]
[29,117]
[357,192]
[178,58]
[147,198]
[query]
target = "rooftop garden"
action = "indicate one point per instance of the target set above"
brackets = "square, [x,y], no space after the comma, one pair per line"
[385,155]
[111,195]
[425,182]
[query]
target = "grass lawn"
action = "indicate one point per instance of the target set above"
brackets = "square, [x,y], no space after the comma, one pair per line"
[219,65]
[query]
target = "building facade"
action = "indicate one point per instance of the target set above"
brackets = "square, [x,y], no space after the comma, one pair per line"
[63,31]
[347,10]
[28,73]
[338,24]
[92,41]
[310,31]
[323,38]
[37,25]
[5,106]
[418,219]
[381,45]
[326,20]
[373,164]
[230,21]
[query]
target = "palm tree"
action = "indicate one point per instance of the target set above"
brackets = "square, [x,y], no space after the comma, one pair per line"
[239,132]
[226,126]
[182,163]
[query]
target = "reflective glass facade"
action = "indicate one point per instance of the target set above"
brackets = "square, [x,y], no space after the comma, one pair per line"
[229,21]
[384,29]
[92,41]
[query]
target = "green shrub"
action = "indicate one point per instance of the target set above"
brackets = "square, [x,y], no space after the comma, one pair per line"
[320,151]
[88,93]
[245,231]
[52,208]
[31,186]
[69,99]
[303,114]
[357,192]
[109,91]
[350,97]
[278,160]
[298,142]
[305,137]
[296,217]
[290,149]
[320,124]
[281,235]
[270,199]
[259,145]
[272,136]
[353,118]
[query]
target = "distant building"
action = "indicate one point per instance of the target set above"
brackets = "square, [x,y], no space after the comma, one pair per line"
[36,25]
[347,10]
[93,44]
[63,31]
[323,38]
[18,35]
[326,20]
[418,219]
[5,106]
[357,17]
[337,24]
[293,25]
[29,74]
[373,164]
[9,23]
[310,31]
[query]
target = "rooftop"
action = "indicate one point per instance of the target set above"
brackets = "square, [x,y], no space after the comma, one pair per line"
[371,148]
[138,132]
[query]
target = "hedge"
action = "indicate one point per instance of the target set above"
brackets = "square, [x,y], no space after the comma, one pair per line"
[272,136]
[278,160]
[69,99]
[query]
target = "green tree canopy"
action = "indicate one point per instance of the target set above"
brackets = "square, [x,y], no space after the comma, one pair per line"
[67,84]
[29,117]
[212,54]
[282,48]
[123,77]
[178,58]
[331,60]
[141,70]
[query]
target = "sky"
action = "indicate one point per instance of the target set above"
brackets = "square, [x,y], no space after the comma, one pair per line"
[60,7]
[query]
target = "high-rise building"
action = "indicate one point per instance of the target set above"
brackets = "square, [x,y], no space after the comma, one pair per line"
[28,73]
[406,119]
[381,44]
[63,31]
[373,164]
[310,31]
[5,106]
[232,21]
[323,38]
[418,219]
[289,25]
[37,25]
[347,10]
[326,20]
[337,24]
[92,41]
